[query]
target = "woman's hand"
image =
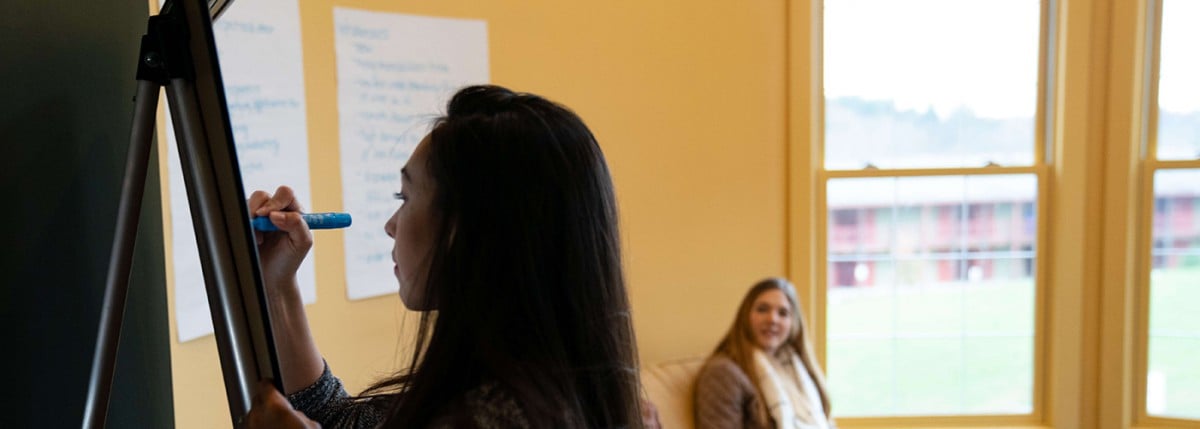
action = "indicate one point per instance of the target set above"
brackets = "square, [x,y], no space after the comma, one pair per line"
[272,410]
[280,253]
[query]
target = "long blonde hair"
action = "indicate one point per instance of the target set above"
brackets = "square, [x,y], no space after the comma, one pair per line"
[739,344]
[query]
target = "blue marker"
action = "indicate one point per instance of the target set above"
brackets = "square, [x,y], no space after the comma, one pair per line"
[314,221]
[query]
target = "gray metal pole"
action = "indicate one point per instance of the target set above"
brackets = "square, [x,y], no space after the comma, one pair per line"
[133,186]
[229,258]
[220,273]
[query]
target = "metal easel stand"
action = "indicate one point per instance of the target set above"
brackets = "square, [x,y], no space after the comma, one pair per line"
[178,52]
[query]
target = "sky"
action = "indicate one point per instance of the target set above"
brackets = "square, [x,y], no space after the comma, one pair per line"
[979,55]
[1179,72]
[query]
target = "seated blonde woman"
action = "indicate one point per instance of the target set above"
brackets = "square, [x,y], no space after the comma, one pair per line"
[764,373]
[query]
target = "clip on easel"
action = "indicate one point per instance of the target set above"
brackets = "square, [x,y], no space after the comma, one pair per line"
[179,53]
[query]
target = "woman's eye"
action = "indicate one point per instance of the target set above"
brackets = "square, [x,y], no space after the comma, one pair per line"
[400,196]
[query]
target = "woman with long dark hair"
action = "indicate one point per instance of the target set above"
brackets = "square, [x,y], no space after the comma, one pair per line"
[507,242]
[764,373]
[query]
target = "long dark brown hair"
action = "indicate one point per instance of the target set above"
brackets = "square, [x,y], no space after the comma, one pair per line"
[739,345]
[525,271]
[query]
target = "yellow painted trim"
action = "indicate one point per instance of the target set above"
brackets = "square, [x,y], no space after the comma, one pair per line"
[942,422]
[1166,422]
[947,422]
[1171,165]
[1145,230]
[1041,330]
[1150,20]
[817,148]
[1075,223]
[973,426]
[969,171]
[1044,133]
[1044,120]
[820,265]
[805,134]
[1152,13]
[1122,259]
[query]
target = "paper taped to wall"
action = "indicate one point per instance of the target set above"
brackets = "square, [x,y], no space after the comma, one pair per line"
[395,74]
[263,72]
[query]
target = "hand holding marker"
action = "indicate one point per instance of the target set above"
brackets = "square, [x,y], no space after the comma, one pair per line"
[330,220]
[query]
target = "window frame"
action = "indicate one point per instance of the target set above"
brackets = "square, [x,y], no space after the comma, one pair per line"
[806,123]
[1149,165]
[1099,126]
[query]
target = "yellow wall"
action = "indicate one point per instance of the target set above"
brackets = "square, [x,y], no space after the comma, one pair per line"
[689,104]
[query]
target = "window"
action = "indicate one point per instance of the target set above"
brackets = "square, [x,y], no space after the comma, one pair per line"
[1172,379]
[1178,91]
[932,178]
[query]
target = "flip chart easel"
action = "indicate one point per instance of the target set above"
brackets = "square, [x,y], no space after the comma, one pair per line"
[178,53]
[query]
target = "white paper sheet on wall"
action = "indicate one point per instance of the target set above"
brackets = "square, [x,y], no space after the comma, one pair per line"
[395,74]
[258,44]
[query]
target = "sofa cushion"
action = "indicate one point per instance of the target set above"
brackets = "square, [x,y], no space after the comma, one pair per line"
[670,386]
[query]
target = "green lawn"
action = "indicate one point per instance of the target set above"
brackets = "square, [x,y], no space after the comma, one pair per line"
[1175,340]
[968,348]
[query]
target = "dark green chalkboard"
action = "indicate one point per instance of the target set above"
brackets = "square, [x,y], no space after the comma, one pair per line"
[66,87]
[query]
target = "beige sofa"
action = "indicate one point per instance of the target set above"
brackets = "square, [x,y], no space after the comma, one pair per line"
[670,386]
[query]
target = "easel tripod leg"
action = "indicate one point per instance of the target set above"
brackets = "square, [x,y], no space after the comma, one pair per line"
[133,187]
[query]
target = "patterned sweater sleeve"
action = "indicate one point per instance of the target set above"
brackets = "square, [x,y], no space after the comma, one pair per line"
[327,403]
